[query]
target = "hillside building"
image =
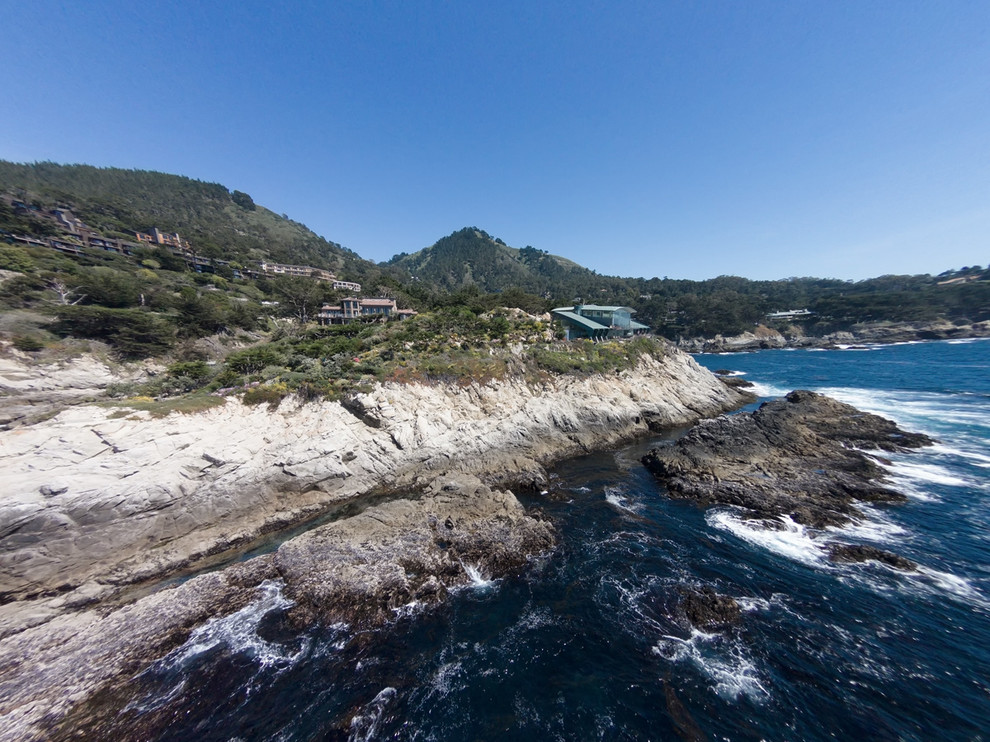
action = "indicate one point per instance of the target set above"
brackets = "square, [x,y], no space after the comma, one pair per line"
[790,314]
[598,322]
[157,237]
[352,309]
[299,271]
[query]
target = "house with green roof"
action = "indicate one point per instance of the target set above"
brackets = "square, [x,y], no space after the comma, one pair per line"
[598,323]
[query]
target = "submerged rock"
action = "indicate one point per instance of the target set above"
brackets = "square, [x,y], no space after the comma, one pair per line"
[736,382]
[863,553]
[707,610]
[799,457]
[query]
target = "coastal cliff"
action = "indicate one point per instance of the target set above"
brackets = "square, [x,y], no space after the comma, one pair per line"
[411,482]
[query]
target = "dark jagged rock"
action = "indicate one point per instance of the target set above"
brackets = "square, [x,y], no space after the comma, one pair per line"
[708,610]
[798,456]
[862,553]
[736,382]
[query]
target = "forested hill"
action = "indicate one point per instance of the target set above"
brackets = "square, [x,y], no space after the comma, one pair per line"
[472,257]
[217,222]
[472,260]
[220,223]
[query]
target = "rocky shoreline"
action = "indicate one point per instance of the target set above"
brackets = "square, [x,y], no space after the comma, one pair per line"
[807,458]
[766,338]
[98,505]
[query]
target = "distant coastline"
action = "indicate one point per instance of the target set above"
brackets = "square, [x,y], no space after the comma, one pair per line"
[765,338]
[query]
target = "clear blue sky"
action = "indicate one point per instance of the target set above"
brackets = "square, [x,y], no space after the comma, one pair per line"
[680,139]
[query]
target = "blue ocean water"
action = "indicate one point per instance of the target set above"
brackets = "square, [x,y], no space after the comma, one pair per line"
[588,644]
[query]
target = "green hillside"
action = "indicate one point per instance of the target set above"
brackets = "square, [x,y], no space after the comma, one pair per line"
[472,260]
[217,222]
[472,257]
[468,268]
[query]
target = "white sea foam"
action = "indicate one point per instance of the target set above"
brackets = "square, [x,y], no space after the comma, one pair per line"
[364,726]
[957,587]
[449,677]
[979,459]
[725,663]
[478,580]
[761,389]
[927,412]
[617,497]
[534,618]
[238,633]
[927,473]
[407,610]
[792,541]
[875,528]
[752,604]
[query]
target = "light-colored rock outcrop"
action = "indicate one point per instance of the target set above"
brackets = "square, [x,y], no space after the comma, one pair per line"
[30,390]
[93,498]
[94,502]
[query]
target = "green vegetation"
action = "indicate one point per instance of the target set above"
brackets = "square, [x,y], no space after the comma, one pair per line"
[451,345]
[216,222]
[472,257]
[584,356]
[470,260]
[138,311]
[221,334]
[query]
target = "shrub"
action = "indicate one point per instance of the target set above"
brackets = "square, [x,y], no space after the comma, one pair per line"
[121,389]
[557,362]
[170,386]
[226,379]
[252,360]
[15,259]
[28,343]
[134,333]
[193,369]
[315,389]
[270,394]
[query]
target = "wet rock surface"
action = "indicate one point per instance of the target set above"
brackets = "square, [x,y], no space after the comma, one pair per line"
[799,457]
[864,553]
[709,611]
[72,673]
[408,552]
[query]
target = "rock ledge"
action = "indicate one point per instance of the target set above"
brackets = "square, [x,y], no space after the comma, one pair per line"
[799,457]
